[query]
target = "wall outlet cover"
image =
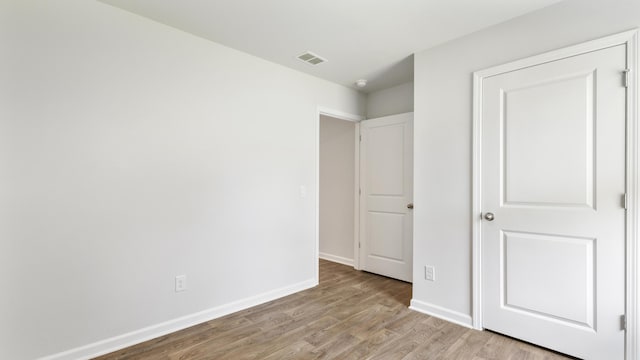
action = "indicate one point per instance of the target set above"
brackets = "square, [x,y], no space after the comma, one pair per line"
[430,273]
[181,283]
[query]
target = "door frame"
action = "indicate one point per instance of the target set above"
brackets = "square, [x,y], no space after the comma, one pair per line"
[341,115]
[630,40]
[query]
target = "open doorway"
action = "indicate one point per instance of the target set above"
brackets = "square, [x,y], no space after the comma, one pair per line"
[365,193]
[338,181]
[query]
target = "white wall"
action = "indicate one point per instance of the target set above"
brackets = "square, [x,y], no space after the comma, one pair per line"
[130,153]
[391,101]
[337,189]
[443,126]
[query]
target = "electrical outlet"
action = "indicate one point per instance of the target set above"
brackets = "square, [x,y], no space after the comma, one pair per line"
[430,273]
[181,283]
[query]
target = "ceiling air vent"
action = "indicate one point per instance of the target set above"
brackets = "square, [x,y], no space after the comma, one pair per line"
[311,58]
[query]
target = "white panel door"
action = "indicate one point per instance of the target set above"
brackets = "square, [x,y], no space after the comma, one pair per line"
[553,178]
[386,182]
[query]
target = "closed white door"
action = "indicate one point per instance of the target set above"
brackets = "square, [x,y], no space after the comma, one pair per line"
[553,180]
[386,184]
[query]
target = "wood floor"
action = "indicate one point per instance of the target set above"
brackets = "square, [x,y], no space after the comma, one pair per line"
[350,315]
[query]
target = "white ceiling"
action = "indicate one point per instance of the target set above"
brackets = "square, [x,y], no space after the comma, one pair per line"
[362,39]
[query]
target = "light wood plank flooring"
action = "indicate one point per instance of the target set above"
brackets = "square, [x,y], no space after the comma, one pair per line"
[350,315]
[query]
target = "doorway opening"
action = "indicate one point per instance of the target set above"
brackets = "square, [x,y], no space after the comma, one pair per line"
[365,187]
[338,157]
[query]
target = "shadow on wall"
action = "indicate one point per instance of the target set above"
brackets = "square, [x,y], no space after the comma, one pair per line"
[397,73]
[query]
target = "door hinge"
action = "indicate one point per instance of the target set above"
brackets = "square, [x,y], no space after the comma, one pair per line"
[623,322]
[359,191]
[358,245]
[360,137]
[625,77]
[624,201]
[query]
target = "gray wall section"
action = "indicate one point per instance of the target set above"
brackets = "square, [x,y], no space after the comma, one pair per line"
[131,152]
[391,101]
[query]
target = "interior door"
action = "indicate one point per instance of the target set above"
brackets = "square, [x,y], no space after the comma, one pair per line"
[386,185]
[553,180]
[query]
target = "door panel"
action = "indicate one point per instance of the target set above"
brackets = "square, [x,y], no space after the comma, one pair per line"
[385,146]
[564,267]
[382,228]
[549,148]
[553,174]
[386,160]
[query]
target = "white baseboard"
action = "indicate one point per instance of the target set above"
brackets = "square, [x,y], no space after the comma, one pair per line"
[336,259]
[135,337]
[442,313]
